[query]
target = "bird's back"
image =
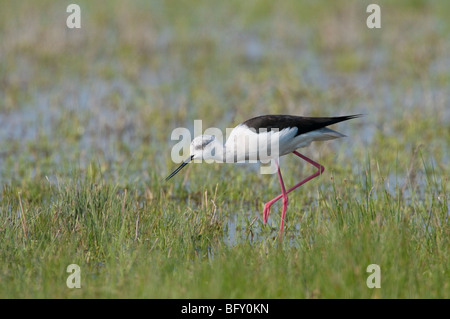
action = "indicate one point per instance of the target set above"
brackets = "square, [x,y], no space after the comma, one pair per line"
[270,136]
[302,123]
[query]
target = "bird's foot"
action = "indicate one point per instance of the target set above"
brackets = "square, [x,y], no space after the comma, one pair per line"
[266,212]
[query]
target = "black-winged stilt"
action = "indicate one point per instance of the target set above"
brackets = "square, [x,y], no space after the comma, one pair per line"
[286,132]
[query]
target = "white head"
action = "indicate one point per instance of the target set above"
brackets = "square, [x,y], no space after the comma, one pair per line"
[203,147]
[206,147]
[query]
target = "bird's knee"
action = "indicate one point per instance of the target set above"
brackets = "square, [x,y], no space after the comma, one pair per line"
[321,169]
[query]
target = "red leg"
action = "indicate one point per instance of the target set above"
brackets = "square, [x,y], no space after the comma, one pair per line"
[285,198]
[267,206]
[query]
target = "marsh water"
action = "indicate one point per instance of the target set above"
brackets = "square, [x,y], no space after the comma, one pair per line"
[66,103]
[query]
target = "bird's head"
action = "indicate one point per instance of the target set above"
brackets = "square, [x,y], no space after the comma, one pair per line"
[203,147]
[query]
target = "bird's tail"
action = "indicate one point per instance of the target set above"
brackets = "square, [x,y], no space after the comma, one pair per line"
[328,134]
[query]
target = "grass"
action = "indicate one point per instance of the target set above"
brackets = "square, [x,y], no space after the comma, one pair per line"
[85,123]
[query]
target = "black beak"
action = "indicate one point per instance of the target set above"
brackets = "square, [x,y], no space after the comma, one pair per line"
[180,167]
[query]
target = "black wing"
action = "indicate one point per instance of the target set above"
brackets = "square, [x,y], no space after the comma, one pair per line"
[302,123]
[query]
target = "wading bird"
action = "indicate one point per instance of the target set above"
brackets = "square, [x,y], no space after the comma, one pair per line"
[254,138]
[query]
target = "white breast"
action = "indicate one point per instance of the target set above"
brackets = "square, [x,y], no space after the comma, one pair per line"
[245,144]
